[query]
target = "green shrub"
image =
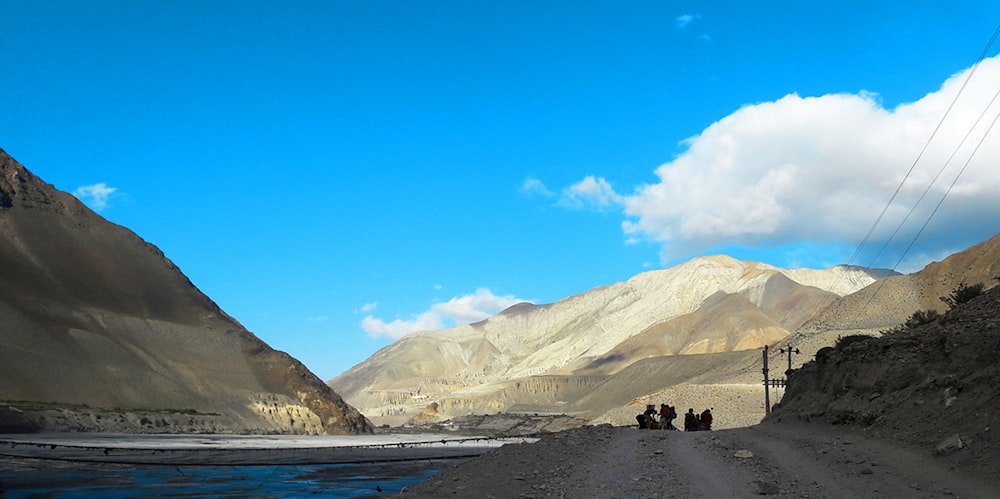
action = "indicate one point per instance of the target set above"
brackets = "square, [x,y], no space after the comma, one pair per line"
[962,294]
[921,317]
[823,354]
[843,341]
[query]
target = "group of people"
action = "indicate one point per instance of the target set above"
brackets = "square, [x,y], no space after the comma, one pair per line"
[694,422]
[651,419]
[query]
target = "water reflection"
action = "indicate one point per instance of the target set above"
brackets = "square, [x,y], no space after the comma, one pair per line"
[34,478]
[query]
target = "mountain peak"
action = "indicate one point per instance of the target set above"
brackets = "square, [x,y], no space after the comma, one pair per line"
[20,187]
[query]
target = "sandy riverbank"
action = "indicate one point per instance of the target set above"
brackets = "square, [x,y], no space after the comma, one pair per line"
[243,449]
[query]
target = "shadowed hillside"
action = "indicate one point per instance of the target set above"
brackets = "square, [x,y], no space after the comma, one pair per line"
[933,386]
[98,323]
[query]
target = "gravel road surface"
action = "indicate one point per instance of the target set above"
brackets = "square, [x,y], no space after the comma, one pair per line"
[801,461]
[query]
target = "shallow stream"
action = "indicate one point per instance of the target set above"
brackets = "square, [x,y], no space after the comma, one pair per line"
[118,466]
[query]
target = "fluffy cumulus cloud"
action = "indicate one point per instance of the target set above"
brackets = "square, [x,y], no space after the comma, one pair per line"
[820,170]
[96,196]
[456,311]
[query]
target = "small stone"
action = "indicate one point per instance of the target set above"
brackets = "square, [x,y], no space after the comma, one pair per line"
[767,488]
[949,445]
[743,454]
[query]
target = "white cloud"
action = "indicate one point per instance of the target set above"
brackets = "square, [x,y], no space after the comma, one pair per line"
[535,187]
[821,169]
[95,196]
[427,321]
[591,192]
[685,20]
[475,307]
[457,311]
[367,307]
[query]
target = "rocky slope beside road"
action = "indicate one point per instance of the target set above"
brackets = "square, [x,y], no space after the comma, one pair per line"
[933,386]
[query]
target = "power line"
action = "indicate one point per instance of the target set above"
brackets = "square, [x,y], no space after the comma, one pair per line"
[928,220]
[935,179]
[913,166]
[947,192]
[871,230]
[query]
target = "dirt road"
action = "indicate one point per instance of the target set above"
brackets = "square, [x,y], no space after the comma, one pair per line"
[786,461]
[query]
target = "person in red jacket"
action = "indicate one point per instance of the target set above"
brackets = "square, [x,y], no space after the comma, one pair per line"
[667,416]
[706,420]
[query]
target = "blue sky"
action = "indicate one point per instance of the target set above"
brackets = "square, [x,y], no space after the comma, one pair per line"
[338,174]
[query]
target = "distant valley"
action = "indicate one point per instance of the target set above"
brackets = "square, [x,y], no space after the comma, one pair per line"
[101,332]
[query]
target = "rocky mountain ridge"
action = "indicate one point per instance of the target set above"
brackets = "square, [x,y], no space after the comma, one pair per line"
[94,317]
[549,358]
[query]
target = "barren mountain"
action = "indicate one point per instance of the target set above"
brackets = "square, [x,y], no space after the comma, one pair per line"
[102,332]
[558,357]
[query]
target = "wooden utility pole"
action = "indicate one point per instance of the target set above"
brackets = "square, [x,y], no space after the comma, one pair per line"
[789,350]
[767,388]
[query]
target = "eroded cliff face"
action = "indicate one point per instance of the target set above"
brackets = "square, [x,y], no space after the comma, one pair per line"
[94,317]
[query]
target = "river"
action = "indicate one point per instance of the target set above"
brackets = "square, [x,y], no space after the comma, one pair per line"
[108,466]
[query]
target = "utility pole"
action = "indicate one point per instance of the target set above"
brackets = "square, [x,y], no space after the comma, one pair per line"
[789,351]
[767,388]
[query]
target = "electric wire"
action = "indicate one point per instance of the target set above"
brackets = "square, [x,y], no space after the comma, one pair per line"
[934,180]
[920,155]
[947,192]
[927,221]
[860,311]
